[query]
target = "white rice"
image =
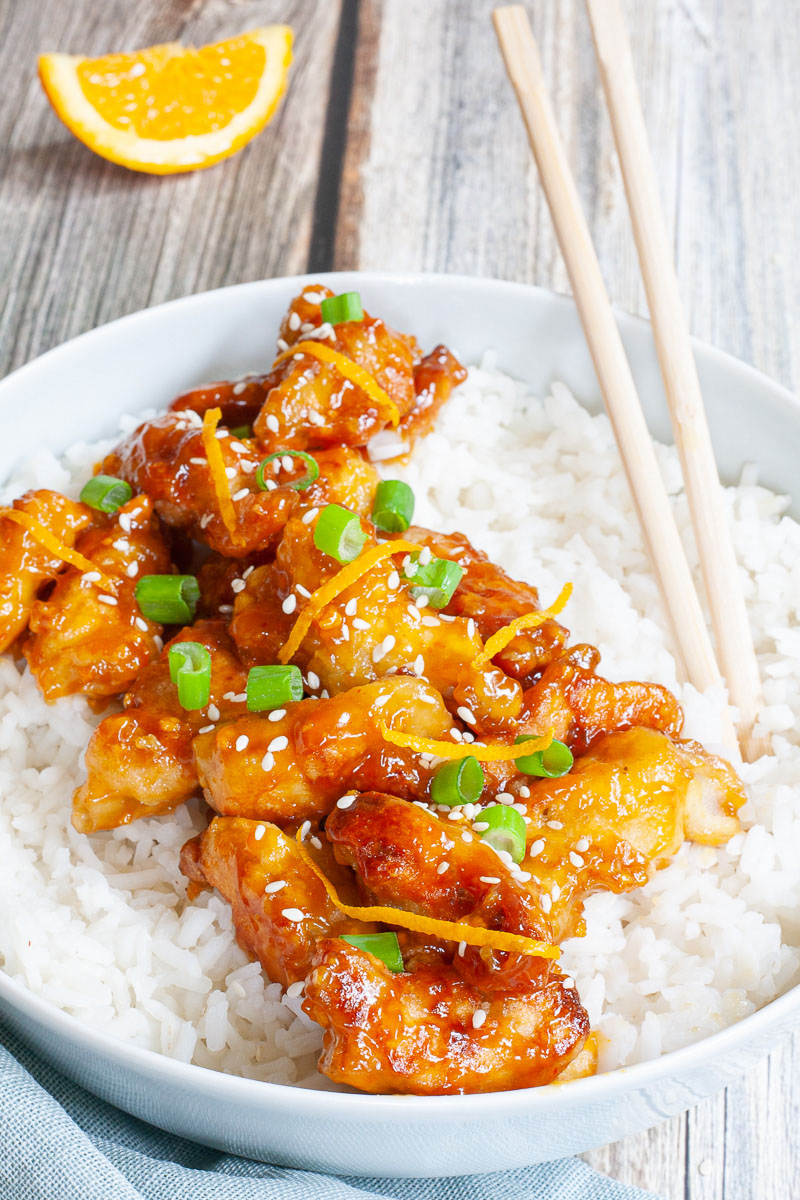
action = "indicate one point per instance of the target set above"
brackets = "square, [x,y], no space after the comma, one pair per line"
[101,927]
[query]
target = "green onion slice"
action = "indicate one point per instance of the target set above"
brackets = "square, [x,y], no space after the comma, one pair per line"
[299,485]
[459,781]
[106,493]
[551,763]
[338,532]
[272,687]
[242,431]
[393,507]
[506,830]
[168,599]
[384,946]
[437,579]
[190,669]
[346,307]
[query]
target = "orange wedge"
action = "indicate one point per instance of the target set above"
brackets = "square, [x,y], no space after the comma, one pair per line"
[171,108]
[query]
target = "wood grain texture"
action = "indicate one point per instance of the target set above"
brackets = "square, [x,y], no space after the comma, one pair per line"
[420,139]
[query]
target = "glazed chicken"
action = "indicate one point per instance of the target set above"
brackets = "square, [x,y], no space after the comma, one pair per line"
[344,695]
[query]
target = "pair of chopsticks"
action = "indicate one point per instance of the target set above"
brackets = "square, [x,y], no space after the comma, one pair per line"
[678,369]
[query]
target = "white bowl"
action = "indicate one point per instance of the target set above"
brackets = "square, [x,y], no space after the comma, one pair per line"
[78,391]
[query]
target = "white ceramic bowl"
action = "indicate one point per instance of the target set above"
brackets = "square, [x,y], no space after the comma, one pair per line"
[78,391]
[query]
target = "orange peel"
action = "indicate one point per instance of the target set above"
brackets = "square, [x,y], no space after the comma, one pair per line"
[216,465]
[423,745]
[498,641]
[351,371]
[56,547]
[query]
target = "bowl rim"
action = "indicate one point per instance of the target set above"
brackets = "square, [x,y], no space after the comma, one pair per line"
[366,1106]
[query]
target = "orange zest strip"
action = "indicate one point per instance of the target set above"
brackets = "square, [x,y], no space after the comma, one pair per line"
[216,465]
[57,548]
[350,370]
[328,592]
[498,641]
[423,745]
[451,931]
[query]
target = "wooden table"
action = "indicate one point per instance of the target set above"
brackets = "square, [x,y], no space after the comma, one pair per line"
[399,146]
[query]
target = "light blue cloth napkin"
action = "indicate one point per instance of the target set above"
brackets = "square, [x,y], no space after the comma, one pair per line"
[58,1142]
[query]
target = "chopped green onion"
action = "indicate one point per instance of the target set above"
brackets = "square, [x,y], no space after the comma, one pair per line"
[190,669]
[168,599]
[459,781]
[437,579]
[347,307]
[393,507]
[551,763]
[106,493]
[272,687]
[384,946]
[338,532]
[299,485]
[506,830]
[242,431]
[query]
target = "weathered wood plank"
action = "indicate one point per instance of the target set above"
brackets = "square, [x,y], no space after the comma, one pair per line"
[83,241]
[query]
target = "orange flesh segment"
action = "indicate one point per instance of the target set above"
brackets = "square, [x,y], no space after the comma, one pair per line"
[328,592]
[350,370]
[168,92]
[451,931]
[423,745]
[216,465]
[498,641]
[57,548]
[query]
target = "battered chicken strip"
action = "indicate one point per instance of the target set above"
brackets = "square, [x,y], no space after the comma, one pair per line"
[407,858]
[374,629]
[313,404]
[296,767]
[430,1032]
[85,638]
[280,908]
[623,811]
[166,459]
[26,564]
[579,705]
[139,762]
[493,599]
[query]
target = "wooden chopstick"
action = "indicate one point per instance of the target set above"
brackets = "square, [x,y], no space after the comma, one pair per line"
[678,369]
[524,69]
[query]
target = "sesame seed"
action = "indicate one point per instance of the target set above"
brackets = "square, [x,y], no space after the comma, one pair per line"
[442,867]
[480,826]
[525,792]
[206,520]
[238,585]
[298,587]
[91,577]
[462,948]
[278,743]
[267,762]
[141,624]
[360,623]
[523,876]
[351,608]
[207,729]
[575,859]
[304,829]
[393,582]
[238,388]
[295,989]
[272,423]
[504,798]
[229,695]
[287,462]
[555,892]
[425,556]
[198,462]
[289,604]
[466,714]
[430,622]
[242,742]
[293,914]
[230,472]
[282,344]
[225,609]
[466,836]
[213,712]
[316,843]
[554,825]
[104,599]
[238,448]
[455,734]
[419,665]
[240,495]
[294,321]
[583,844]
[312,679]
[470,628]
[345,802]
[125,521]
[275,886]
[345,633]
[568,981]
[536,848]
[378,653]
[239,697]
[546,903]
[389,643]
[446,617]
[478,1018]
[422,601]
[270,485]
[414,612]
[132,570]
[277,714]
[220,434]
[490,879]
[260,830]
